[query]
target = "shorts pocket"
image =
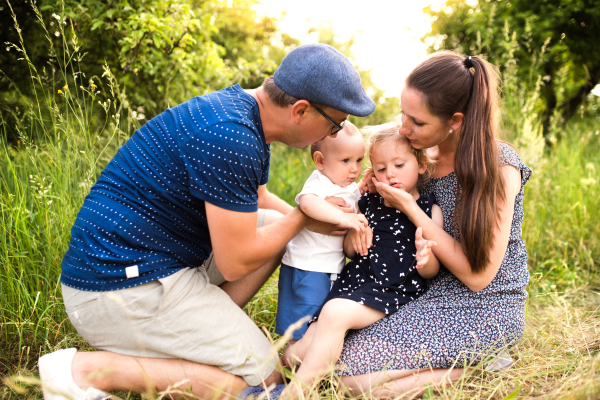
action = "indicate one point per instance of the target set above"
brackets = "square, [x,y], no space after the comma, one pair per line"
[82,301]
[310,288]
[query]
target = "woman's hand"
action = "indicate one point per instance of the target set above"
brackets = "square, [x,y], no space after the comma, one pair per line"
[397,198]
[366,184]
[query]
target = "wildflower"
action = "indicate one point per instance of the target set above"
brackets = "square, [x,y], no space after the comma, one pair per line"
[57,33]
[296,161]
[93,86]
[283,185]
[59,91]
[66,87]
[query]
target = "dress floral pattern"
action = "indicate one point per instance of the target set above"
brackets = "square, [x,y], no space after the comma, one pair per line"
[450,325]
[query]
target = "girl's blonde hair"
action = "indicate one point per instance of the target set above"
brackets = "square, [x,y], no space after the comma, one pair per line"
[389,133]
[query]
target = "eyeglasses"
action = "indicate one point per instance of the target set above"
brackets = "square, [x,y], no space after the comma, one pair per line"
[338,126]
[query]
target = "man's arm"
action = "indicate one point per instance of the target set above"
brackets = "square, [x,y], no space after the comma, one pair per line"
[270,201]
[239,247]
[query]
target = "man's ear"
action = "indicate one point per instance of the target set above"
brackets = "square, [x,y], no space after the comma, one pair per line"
[299,111]
[318,158]
[456,121]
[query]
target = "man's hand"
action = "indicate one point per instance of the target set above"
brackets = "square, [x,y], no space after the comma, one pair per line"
[325,228]
[340,203]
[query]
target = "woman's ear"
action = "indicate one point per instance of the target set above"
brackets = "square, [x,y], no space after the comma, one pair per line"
[456,121]
[318,158]
[299,110]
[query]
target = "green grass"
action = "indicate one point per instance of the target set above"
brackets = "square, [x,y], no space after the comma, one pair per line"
[67,139]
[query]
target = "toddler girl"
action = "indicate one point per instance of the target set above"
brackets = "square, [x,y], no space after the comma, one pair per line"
[393,271]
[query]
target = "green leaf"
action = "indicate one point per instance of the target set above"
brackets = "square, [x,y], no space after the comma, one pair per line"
[97,24]
[156,38]
[513,394]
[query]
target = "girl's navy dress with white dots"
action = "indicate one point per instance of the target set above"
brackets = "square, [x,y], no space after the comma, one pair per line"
[387,277]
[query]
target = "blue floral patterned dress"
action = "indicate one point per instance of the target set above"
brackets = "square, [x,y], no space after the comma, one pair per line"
[450,325]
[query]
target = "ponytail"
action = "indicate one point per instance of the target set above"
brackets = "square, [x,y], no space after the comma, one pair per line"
[469,86]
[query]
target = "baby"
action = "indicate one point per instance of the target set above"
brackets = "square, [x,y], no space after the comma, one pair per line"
[312,260]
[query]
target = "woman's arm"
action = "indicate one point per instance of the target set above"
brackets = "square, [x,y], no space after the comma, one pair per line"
[449,250]
[427,263]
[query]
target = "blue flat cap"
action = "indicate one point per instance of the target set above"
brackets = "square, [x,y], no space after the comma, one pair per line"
[320,74]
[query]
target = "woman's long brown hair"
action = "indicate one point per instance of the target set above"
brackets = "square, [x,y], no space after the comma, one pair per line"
[451,87]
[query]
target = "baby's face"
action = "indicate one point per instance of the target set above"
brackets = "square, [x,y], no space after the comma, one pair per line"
[342,157]
[395,165]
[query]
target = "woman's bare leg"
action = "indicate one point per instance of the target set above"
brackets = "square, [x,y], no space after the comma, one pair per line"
[391,384]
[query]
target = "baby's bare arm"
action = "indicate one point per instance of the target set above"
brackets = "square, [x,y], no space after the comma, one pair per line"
[319,209]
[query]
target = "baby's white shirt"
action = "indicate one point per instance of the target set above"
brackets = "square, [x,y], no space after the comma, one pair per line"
[311,251]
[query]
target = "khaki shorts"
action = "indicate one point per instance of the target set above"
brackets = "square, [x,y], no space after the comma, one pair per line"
[184,315]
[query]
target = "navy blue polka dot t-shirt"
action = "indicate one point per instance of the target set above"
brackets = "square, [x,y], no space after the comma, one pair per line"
[145,219]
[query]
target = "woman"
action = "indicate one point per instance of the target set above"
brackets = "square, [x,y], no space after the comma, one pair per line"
[475,306]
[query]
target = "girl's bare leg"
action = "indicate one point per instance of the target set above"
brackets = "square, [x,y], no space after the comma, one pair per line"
[337,316]
[295,351]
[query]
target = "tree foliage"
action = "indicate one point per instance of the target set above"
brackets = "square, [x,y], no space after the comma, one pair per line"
[160,52]
[555,39]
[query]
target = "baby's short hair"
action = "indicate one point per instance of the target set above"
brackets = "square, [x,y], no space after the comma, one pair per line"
[390,133]
[349,129]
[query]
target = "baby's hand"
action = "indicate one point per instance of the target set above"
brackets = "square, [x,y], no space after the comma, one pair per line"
[423,248]
[357,222]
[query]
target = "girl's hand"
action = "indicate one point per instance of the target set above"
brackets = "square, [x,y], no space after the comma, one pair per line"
[423,248]
[366,184]
[362,241]
[397,198]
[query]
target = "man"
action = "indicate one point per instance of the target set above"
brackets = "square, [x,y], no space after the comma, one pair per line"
[185,194]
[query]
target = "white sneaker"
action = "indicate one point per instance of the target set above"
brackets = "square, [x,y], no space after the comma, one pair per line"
[57,378]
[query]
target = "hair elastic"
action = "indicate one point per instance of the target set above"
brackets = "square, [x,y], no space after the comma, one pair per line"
[468,62]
